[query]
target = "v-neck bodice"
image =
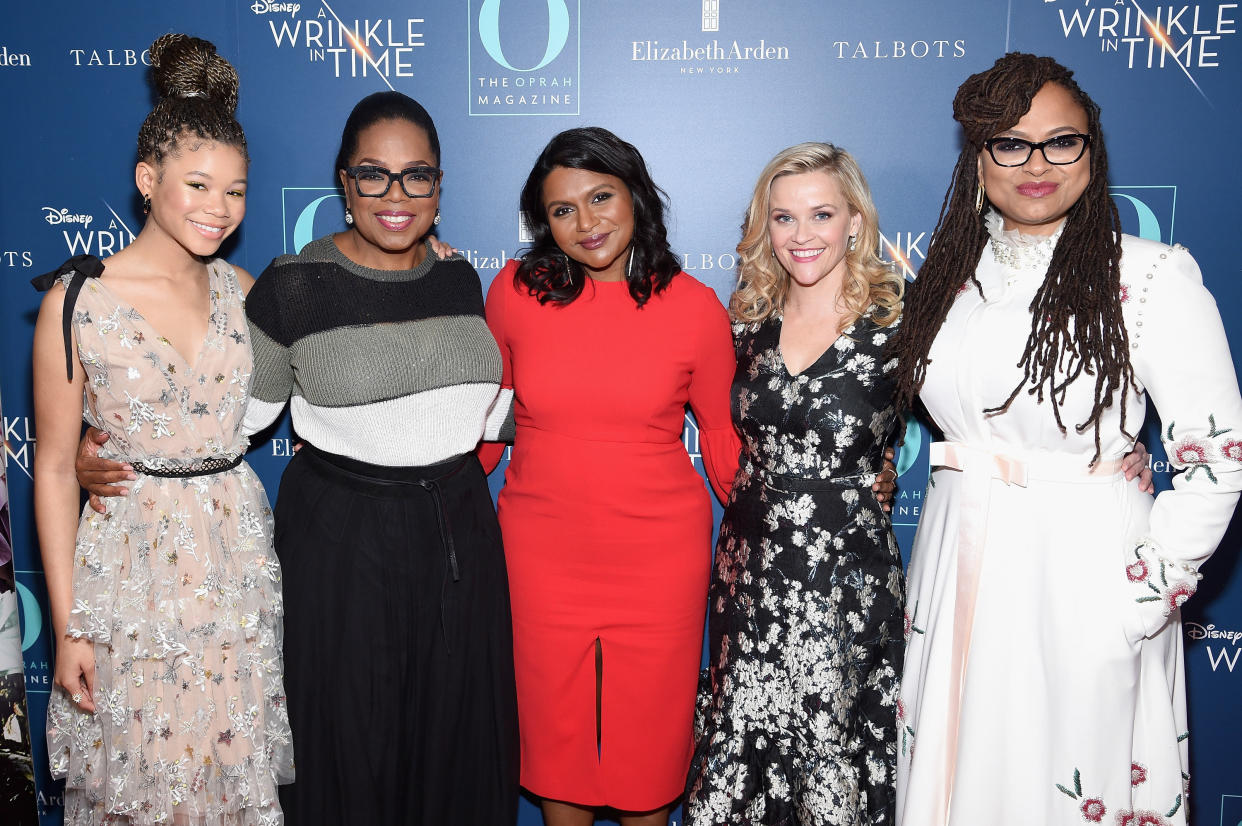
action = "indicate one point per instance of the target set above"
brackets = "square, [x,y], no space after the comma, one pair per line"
[152,401]
[825,421]
[135,315]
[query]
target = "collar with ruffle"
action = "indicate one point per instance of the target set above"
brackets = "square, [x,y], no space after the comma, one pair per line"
[1018,251]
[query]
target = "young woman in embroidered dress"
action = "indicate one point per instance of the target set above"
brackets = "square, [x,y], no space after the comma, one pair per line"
[169,701]
[1043,676]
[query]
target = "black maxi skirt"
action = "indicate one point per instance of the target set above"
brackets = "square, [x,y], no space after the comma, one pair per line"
[398,645]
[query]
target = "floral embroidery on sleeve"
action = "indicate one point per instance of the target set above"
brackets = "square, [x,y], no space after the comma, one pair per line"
[1192,454]
[1173,594]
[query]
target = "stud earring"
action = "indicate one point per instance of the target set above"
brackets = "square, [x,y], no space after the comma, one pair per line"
[349,217]
[436,220]
[979,194]
[853,242]
[146,204]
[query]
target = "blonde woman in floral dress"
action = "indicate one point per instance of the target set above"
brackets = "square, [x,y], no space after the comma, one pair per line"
[169,706]
[798,724]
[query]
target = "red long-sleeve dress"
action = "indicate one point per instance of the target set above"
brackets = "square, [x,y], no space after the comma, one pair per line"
[607,528]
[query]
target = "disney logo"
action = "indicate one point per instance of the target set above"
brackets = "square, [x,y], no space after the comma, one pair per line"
[269,7]
[63,216]
[1209,632]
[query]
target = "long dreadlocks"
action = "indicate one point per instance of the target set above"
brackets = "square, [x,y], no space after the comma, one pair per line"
[1076,322]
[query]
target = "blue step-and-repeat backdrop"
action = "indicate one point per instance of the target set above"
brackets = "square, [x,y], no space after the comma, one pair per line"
[707,89]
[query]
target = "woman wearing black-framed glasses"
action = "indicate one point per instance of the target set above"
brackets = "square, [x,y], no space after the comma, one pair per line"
[1043,676]
[384,521]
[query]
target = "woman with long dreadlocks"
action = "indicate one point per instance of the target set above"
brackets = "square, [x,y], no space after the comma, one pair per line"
[1043,673]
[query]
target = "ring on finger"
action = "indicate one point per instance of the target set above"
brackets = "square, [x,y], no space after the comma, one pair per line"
[76,697]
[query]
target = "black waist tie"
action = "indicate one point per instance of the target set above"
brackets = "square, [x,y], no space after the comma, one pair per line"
[427,477]
[800,484]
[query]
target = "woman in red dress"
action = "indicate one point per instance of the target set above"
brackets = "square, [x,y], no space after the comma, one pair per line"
[607,526]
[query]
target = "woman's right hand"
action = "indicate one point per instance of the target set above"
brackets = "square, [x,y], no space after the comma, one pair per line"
[442,249]
[75,671]
[100,477]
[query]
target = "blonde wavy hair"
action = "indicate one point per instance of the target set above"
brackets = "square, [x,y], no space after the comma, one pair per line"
[763,283]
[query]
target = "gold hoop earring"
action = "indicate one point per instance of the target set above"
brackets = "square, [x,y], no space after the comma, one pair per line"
[979,196]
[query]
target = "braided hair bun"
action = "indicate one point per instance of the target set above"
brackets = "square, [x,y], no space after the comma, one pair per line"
[198,97]
[188,67]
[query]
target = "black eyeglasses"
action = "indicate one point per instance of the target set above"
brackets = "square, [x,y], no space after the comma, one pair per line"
[375,181]
[1061,150]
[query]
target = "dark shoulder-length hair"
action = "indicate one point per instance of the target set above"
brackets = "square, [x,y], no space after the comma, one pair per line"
[545,270]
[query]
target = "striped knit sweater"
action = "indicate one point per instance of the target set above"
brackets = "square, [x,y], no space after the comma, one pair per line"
[393,368]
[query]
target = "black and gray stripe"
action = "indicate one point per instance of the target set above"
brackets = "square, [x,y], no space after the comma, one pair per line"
[389,367]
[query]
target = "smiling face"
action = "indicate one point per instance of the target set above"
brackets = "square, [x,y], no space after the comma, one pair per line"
[388,231]
[1035,197]
[809,224]
[591,216]
[198,196]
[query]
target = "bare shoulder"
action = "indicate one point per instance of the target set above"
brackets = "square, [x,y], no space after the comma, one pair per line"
[244,279]
[53,304]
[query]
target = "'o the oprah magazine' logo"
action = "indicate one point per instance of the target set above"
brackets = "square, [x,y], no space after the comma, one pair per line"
[88,233]
[524,57]
[1183,37]
[912,473]
[1231,810]
[309,212]
[1146,211]
[352,46]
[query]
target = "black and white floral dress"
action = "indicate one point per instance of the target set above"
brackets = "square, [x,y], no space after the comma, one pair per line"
[797,718]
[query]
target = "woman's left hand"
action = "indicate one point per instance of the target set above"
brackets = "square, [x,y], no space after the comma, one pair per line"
[886,482]
[1135,463]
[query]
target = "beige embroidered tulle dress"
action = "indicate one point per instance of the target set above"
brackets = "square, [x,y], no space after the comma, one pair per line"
[177,586]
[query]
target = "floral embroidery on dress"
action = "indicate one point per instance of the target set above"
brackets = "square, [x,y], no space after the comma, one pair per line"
[178,588]
[1093,809]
